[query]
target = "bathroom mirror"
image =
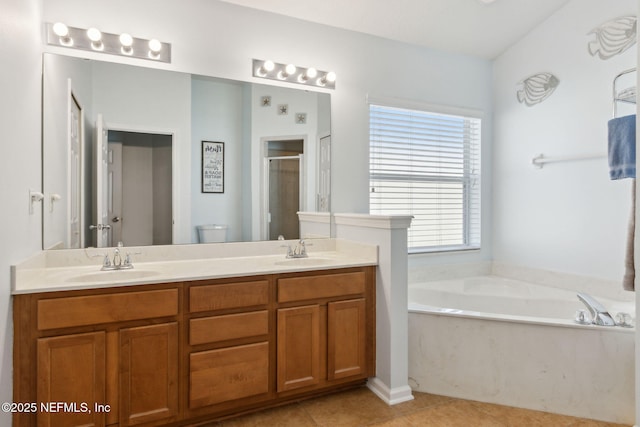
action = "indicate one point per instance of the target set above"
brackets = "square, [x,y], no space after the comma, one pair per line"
[148,156]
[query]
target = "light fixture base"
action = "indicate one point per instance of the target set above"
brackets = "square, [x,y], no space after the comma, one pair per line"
[109,43]
[300,75]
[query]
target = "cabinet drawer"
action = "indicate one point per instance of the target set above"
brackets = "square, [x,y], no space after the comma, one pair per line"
[325,286]
[94,309]
[228,374]
[232,326]
[228,295]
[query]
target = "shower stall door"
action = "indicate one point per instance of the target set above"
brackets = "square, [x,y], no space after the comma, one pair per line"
[284,196]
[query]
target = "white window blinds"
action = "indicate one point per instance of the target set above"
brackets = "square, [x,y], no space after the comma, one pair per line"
[427,165]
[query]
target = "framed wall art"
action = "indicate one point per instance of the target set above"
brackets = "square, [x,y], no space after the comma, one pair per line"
[212,167]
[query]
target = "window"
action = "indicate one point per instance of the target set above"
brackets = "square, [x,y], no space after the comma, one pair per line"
[427,164]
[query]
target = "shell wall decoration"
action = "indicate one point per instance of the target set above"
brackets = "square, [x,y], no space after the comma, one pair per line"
[613,37]
[537,88]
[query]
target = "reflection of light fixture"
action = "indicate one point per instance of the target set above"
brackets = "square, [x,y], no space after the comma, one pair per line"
[62,31]
[95,36]
[94,40]
[126,41]
[292,74]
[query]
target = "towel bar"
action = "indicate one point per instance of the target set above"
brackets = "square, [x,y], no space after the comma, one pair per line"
[539,160]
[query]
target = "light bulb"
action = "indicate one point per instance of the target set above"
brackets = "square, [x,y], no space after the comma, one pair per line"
[60,30]
[269,65]
[266,67]
[309,74]
[94,34]
[154,48]
[126,41]
[288,71]
[329,77]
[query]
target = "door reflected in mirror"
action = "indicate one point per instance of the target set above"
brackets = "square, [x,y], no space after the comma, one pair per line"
[139,188]
[117,182]
[285,189]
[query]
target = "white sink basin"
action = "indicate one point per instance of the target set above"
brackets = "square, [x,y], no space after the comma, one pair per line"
[301,262]
[113,275]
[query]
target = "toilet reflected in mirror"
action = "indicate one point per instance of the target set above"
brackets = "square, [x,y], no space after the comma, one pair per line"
[212,233]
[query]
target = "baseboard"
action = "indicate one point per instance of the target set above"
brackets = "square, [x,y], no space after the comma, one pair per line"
[389,396]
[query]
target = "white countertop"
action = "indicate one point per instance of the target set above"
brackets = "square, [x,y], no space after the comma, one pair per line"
[32,277]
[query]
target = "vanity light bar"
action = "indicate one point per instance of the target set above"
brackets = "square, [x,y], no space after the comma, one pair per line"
[94,40]
[266,69]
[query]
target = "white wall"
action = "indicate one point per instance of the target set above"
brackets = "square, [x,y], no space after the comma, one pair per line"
[20,235]
[567,217]
[217,115]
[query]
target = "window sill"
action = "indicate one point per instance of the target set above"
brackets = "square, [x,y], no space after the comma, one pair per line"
[444,250]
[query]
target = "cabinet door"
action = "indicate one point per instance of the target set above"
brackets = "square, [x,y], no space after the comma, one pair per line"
[298,347]
[346,345]
[148,374]
[71,370]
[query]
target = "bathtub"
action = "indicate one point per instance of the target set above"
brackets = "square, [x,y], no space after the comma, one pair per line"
[510,342]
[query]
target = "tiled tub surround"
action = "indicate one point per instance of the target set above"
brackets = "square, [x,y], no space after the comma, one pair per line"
[502,340]
[80,268]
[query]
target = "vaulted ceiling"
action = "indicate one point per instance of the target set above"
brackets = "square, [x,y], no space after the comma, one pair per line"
[482,28]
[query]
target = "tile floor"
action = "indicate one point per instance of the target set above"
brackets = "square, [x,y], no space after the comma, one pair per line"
[360,407]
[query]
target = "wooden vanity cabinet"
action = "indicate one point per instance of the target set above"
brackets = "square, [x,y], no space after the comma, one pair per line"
[179,354]
[228,349]
[98,358]
[323,337]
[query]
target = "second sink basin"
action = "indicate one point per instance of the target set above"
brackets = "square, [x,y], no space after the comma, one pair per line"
[113,275]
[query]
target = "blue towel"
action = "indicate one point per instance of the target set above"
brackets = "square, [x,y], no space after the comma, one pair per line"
[622,147]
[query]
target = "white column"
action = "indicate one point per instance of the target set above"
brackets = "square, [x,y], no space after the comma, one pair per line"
[392,346]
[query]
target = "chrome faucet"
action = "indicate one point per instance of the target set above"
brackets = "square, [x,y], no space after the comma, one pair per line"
[118,263]
[299,251]
[599,314]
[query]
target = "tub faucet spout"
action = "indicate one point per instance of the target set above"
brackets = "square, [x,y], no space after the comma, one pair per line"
[598,312]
